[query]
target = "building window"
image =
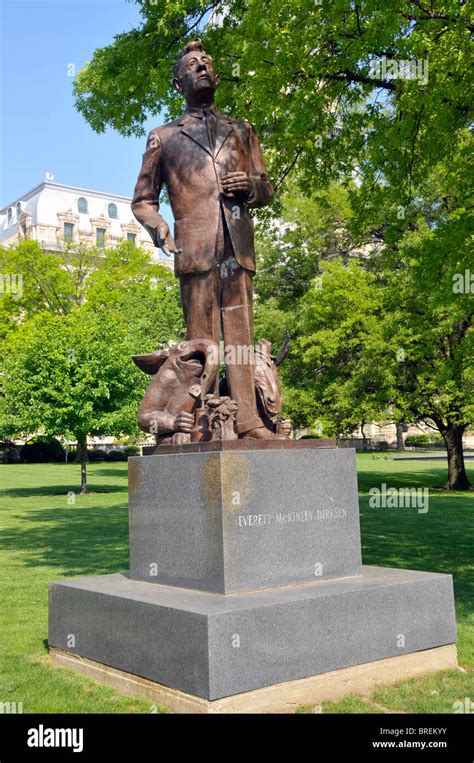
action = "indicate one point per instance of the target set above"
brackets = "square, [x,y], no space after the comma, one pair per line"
[18,211]
[132,237]
[113,214]
[68,231]
[100,236]
[82,207]
[9,216]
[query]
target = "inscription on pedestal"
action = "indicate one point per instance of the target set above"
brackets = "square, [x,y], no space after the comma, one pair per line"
[288,518]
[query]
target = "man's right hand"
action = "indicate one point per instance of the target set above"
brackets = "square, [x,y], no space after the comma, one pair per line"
[166,241]
[184,422]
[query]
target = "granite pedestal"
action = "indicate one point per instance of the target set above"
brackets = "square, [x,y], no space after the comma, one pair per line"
[245,572]
[240,520]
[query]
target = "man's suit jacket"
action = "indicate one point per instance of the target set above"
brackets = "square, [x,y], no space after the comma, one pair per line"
[180,156]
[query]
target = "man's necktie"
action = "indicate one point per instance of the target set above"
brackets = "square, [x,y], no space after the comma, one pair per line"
[211,127]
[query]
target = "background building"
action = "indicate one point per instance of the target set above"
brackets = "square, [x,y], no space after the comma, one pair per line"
[55,214]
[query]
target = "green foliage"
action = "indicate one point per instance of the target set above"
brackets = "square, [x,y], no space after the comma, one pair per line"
[70,375]
[337,343]
[311,228]
[384,336]
[116,455]
[271,322]
[117,279]
[49,282]
[66,367]
[40,450]
[423,439]
[95,454]
[131,450]
[376,345]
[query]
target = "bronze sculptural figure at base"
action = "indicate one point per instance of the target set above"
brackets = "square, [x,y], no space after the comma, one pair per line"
[178,406]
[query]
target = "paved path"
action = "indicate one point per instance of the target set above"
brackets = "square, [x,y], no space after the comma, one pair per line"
[427,457]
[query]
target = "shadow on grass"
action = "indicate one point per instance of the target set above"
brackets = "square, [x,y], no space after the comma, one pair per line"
[435,477]
[112,471]
[29,492]
[439,541]
[75,540]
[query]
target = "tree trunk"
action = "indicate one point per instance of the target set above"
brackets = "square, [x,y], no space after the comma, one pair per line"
[81,450]
[400,443]
[457,477]
[82,458]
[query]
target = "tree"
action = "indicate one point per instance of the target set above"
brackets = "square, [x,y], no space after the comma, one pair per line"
[424,308]
[57,283]
[430,342]
[337,342]
[50,282]
[145,295]
[374,345]
[122,279]
[70,376]
[70,372]
[312,227]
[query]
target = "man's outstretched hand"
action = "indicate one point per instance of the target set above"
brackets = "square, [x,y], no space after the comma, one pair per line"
[166,241]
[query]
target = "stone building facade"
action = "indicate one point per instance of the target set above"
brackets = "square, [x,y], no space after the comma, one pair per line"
[56,215]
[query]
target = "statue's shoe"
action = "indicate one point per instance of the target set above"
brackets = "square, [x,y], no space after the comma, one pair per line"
[262,433]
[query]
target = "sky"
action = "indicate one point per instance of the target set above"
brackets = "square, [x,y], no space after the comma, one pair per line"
[40,128]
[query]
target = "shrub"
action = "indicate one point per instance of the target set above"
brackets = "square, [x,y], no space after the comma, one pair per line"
[40,450]
[418,440]
[9,453]
[97,455]
[132,450]
[116,455]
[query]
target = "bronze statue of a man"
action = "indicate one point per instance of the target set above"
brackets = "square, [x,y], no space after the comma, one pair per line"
[214,171]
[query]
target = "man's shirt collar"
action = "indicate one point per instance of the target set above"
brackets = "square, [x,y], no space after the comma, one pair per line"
[197,111]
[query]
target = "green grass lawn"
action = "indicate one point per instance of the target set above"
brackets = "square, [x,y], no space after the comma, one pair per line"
[46,534]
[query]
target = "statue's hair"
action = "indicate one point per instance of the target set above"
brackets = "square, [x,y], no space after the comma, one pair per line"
[188,48]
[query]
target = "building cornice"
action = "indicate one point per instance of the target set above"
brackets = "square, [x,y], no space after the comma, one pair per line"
[61,187]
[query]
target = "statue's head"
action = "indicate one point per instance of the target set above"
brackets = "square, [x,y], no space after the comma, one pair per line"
[194,74]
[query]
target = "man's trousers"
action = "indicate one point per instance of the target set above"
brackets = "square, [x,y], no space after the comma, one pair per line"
[218,304]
